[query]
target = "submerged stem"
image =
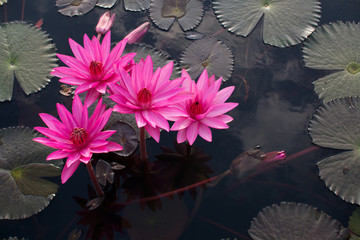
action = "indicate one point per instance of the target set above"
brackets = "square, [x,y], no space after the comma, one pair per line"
[143,153]
[22,10]
[94,180]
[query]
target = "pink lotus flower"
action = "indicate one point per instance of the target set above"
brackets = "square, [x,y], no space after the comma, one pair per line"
[76,136]
[92,67]
[206,108]
[150,96]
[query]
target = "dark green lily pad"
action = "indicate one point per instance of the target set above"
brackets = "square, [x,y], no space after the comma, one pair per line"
[136,5]
[23,191]
[336,126]
[209,53]
[286,22]
[126,136]
[106,3]
[335,46]
[188,13]
[295,221]
[27,53]
[75,7]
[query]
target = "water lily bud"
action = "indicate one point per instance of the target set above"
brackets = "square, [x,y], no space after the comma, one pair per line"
[136,34]
[105,23]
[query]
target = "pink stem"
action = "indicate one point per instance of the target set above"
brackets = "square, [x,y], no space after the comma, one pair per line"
[22,10]
[99,36]
[143,153]
[94,180]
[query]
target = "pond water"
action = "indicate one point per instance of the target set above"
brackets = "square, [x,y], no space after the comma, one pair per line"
[274,113]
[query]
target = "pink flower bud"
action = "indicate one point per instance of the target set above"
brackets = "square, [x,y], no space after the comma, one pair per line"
[105,23]
[136,34]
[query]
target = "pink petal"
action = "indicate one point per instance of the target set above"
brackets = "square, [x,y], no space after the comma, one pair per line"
[181,136]
[97,143]
[205,132]
[223,95]
[59,154]
[74,64]
[67,172]
[214,123]
[73,157]
[181,123]
[52,134]
[140,121]
[105,45]
[153,132]
[54,124]
[91,97]
[221,109]
[225,118]
[112,146]
[85,152]
[192,132]
[52,144]
[65,116]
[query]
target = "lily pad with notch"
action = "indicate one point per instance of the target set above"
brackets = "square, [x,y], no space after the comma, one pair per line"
[285,23]
[336,125]
[27,53]
[23,189]
[188,13]
[209,53]
[335,46]
[106,3]
[104,172]
[126,136]
[295,221]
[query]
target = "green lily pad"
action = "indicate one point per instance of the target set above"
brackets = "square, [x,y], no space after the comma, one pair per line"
[336,126]
[188,13]
[295,221]
[209,53]
[27,53]
[75,7]
[335,46]
[136,5]
[23,191]
[286,22]
[354,222]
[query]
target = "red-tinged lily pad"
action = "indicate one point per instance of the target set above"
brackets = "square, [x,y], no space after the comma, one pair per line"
[23,191]
[188,13]
[295,221]
[335,46]
[285,22]
[104,172]
[26,52]
[126,136]
[75,7]
[335,125]
[136,5]
[209,53]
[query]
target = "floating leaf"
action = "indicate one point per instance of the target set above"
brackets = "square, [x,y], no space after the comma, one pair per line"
[187,12]
[136,5]
[2,2]
[336,126]
[209,53]
[295,221]
[23,191]
[126,136]
[106,3]
[104,172]
[286,22]
[75,7]
[27,52]
[335,46]
[354,223]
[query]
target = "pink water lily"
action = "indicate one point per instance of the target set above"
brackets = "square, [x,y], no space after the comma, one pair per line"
[92,67]
[204,110]
[149,95]
[76,136]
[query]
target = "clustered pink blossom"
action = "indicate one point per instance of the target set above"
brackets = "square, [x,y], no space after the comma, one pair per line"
[136,89]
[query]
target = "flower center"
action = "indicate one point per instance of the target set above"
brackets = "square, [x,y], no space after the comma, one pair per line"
[96,68]
[144,97]
[196,108]
[78,136]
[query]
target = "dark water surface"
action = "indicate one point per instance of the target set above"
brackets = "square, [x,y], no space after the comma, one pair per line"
[279,106]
